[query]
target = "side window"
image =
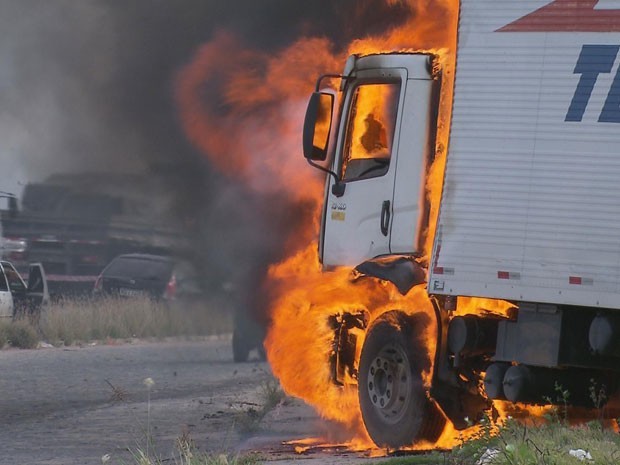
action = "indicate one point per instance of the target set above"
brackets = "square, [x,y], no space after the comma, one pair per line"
[3,285]
[370,130]
[16,284]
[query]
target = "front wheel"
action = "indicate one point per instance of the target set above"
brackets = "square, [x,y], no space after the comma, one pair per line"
[393,401]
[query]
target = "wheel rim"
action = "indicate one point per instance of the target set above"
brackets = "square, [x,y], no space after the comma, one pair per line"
[390,383]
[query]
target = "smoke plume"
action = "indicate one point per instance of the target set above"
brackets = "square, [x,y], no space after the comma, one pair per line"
[89,86]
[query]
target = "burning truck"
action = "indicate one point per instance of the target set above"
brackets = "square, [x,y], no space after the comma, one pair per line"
[489,272]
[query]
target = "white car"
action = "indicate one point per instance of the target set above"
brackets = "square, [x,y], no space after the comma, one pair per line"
[18,297]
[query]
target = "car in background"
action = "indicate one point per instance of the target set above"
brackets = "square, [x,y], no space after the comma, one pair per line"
[18,298]
[164,278]
[142,275]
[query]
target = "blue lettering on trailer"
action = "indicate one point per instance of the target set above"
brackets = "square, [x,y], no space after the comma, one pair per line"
[594,60]
[611,109]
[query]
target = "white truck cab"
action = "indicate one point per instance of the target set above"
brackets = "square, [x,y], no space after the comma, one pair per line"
[386,131]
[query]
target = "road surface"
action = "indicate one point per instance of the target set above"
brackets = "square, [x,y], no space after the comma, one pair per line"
[68,406]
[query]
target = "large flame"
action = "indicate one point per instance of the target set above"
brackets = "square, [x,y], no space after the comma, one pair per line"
[244,110]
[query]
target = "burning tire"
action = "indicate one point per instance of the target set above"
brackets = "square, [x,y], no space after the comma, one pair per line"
[393,400]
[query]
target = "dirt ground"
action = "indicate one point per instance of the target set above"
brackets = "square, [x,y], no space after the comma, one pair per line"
[69,406]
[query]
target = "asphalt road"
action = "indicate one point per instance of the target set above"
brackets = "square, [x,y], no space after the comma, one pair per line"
[74,405]
[67,406]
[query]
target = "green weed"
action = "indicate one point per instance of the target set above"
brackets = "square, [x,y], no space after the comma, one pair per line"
[21,334]
[248,420]
[4,328]
[185,451]
[517,444]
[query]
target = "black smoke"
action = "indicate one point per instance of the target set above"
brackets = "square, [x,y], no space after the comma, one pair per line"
[88,86]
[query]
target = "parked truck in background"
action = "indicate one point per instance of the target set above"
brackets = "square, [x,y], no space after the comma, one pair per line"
[529,214]
[75,224]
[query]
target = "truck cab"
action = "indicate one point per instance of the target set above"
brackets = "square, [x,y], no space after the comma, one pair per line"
[379,146]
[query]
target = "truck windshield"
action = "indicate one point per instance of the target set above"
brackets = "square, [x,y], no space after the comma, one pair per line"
[370,130]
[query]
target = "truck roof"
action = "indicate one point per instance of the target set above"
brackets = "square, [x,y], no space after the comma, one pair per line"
[418,65]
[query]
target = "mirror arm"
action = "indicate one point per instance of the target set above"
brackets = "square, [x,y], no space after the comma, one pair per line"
[339,187]
[325,170]
[325,76]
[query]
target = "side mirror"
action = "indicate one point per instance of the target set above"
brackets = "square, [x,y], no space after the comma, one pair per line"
[317,126]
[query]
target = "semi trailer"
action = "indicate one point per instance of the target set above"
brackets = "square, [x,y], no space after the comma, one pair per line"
[529,216]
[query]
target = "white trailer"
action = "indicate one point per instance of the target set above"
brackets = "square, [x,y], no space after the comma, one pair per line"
[529,214]
[531,198]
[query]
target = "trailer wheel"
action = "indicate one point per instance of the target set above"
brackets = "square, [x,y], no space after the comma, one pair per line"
[393,400]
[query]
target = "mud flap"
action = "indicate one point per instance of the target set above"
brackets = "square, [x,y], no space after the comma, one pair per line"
[403,271]
[344,345]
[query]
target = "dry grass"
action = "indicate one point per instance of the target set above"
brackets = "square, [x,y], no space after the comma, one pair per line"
[70,321]
[19,334]
[185,451]
[189,456]
[4,325]
[248,420]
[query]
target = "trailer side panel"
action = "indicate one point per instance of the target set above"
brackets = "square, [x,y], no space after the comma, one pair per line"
[531,200]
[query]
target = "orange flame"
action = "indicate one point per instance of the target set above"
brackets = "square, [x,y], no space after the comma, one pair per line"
[244,110]
[299,340]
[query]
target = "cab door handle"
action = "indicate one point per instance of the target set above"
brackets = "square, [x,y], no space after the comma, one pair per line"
[385,217]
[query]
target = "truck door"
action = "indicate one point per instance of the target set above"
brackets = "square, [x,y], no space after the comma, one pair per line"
[17,287]
[37,291]
[6,299]
[357,220]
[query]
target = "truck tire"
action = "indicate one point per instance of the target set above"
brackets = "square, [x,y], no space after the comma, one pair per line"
[241,348]
[395,408]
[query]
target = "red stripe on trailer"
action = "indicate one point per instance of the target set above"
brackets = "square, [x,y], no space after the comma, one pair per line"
[574,280]
[503,275]
[438,270]
[568,16]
